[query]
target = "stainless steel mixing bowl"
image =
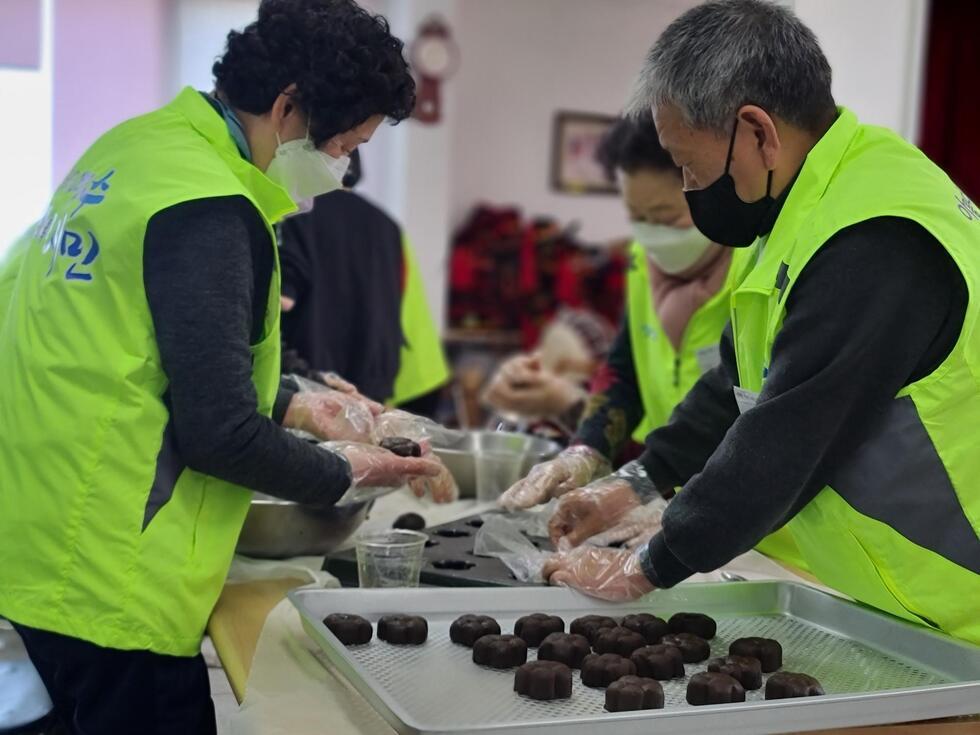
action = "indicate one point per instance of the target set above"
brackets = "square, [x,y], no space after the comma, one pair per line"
[460,457]
[278,529]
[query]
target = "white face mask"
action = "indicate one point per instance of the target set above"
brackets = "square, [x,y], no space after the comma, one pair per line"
[303,171]
[672,249]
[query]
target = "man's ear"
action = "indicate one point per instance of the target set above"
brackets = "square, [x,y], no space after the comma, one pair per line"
[763,127]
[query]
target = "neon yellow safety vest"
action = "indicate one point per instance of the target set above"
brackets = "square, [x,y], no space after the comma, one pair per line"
[9,268]
[422,364]
[665,375]
[896,527]
[107,537]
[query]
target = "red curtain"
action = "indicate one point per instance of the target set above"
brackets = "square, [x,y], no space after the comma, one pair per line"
[951,115]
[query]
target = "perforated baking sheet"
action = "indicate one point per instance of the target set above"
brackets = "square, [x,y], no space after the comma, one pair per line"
[873,667]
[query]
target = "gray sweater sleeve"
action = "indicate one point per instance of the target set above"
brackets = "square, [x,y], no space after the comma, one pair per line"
[880,306]
[207,264]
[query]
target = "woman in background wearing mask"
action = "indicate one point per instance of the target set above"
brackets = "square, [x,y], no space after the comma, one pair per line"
[678,286]
[137,426]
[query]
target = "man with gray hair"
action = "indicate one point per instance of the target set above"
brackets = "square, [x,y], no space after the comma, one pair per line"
[850,379]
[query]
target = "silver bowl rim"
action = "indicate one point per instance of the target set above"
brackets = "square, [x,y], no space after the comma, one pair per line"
[550,446]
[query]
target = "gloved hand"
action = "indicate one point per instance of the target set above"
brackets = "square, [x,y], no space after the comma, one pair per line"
[523,386]
[610,574]
[331,415]
[635,529]
[375,467]
[592,509]
[332,380]
[571,469]
[396,422]
[442,487]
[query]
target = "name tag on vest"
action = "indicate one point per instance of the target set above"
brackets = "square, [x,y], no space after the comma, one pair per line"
[745,399]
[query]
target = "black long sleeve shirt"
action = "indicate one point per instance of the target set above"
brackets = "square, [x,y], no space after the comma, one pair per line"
[207,265]
[878,307]
[342,264]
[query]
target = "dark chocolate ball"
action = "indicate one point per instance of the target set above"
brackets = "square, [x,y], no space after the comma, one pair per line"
[767,650]
[659,661]
[409,630]
[602,669]
[401,446]
[710,687]
[351,630]
[409,522]
[634,692]
[500,651]
[536,627]
[696,623]
[590,625]
[649,626]
[544,680]
[693,648]
[785,685]
[618,640]
[747,670]
[569,648]
[467,629]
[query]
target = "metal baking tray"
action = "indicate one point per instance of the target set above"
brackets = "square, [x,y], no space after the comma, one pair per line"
[875,668]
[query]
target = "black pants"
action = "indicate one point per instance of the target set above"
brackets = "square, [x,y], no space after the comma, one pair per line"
[105,691]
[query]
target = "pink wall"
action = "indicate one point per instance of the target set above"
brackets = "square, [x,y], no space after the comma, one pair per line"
[20,33]
[109,64]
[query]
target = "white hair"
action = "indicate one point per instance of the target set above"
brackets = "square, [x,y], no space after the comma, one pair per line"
[723,54]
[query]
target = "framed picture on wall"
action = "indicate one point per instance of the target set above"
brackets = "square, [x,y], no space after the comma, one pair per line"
[575,140]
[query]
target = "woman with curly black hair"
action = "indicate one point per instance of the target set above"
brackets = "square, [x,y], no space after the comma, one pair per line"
[324,72]
[154,408]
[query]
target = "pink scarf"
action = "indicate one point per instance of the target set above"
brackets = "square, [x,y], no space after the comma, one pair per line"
[677,297]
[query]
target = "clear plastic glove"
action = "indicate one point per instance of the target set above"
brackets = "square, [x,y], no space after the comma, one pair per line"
[573,468]
[523,386]
[375,471]
[635,529]
[610,574]
[592,509]
[417,428]
[331,415]
[502,537]
[332,380]
[442,488]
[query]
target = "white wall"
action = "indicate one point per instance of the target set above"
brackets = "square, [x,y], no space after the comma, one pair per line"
[523,60]
[25,128]
[409,168]
[876,49]
[198,29]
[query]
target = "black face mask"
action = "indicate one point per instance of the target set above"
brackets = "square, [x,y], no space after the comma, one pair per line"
[721,215]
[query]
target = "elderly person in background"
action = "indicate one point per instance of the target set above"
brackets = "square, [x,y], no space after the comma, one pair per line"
[549,384]
[850,379]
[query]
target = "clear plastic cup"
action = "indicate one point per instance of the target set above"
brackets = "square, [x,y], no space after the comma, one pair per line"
[390,558]
[495,473]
